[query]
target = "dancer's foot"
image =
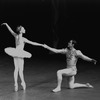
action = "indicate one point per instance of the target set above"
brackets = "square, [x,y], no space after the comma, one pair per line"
[16,87]
[88,85]
[23,85]
[56,89]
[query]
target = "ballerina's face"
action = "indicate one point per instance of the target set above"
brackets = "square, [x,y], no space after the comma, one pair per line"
[22,30]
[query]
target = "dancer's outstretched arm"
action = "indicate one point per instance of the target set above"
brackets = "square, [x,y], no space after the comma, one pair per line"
[55,50]
[9,28]
[79,53]
[32,43]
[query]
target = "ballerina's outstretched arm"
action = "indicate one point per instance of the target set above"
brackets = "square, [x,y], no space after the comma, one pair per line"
[32,43]
[9,28]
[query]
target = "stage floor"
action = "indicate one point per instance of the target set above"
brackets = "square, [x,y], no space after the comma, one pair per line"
[40,77]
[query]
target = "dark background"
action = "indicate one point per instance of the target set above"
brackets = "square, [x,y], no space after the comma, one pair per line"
[53,22]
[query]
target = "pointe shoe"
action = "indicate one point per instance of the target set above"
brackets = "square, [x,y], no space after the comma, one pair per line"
[56,90]
[23,85]
[16,88]
[88,85]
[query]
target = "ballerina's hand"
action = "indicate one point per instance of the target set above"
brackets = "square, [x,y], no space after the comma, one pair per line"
[45,46]
[4,24]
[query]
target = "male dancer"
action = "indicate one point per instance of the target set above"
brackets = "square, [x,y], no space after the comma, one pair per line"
[72,56]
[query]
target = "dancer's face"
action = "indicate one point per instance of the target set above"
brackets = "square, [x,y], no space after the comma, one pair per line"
[70,44]
[22,30]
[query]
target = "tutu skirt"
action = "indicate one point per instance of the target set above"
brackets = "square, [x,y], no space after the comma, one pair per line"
[14,52]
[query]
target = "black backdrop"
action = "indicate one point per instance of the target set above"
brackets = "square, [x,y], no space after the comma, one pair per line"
[53,22]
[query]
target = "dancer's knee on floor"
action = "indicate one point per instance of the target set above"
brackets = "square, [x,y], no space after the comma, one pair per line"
[71,86]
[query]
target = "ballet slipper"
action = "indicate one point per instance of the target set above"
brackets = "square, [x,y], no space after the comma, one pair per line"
[16,87]
[23,85]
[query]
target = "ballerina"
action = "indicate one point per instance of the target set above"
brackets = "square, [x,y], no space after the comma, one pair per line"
[18,53]
[72,56]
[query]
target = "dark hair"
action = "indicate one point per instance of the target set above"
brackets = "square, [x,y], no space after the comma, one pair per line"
[18,28]
[73,42]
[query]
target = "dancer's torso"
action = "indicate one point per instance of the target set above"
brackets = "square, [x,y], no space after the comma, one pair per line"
[71,60]
[19,42]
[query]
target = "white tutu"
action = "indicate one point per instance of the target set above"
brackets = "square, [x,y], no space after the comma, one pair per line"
[17,52]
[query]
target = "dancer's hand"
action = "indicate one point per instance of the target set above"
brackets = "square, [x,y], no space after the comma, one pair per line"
[45,46]
[94,61]
[38,44]
[4,24]
[42,45]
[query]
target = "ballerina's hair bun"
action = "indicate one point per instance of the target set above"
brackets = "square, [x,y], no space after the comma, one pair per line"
[19,28]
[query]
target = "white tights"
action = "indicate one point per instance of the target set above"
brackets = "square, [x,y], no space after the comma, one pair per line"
[71,75]
[19,67]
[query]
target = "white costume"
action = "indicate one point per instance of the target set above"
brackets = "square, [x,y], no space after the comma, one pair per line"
[18,51]
[15,52]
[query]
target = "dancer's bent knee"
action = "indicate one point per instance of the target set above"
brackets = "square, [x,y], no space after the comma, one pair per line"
[59,74]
